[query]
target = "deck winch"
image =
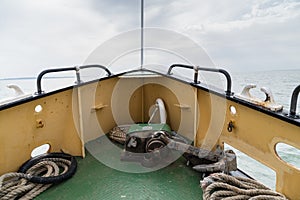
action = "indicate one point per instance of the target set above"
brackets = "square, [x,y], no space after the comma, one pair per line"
[152,144]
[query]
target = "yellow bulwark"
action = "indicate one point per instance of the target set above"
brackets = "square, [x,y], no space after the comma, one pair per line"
[73,116]
[23,129]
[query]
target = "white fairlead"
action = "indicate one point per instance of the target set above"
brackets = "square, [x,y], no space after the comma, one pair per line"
[159,106]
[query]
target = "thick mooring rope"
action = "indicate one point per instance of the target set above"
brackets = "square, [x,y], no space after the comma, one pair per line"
[37,175]
[225,187]
[118,134]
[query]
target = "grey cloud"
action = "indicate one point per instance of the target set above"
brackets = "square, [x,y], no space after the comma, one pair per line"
[236,34]
[125,13]
[241,35]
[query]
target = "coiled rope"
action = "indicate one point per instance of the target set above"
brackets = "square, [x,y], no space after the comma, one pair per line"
[226,187]
[37,175]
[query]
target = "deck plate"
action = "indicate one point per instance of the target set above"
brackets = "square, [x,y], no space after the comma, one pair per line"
[94,180]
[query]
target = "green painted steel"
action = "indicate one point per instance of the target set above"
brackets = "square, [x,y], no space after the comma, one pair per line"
[94,180]
[149,127]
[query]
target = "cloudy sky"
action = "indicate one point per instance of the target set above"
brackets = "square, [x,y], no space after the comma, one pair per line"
[238,35]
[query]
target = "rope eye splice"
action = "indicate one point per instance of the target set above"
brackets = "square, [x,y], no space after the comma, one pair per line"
[36,175]
[226,187]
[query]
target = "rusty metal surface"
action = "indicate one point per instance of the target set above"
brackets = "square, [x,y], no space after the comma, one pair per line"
[268,103]
[158,147]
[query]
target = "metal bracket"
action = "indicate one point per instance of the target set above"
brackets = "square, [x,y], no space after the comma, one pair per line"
[269,103]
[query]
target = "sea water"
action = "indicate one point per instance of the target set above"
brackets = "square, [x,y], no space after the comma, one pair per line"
[281,83]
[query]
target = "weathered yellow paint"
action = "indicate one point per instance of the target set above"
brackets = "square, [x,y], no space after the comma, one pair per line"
[212,116]
[132,98]
[20,133]
[151,93]
[72,117]
[255,134]
[95,113]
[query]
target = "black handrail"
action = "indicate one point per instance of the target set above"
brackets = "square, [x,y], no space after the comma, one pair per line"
[294,100]
[96,66]
[40,76]
[196,68]
[47,71]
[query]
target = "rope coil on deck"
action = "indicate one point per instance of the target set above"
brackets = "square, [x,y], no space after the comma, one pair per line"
[37,175]
[226,187]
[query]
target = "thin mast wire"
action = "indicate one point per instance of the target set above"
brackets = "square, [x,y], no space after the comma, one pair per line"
[142,33]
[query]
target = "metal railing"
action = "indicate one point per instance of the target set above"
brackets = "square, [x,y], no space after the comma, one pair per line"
[294,100]
[76,69]
[197,69]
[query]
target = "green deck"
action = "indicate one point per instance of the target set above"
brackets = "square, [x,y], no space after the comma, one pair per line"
[94,180]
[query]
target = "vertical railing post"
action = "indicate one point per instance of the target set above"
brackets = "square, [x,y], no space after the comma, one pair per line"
[294,100]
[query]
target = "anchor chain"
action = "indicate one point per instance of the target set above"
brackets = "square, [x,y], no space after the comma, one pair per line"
[158,144]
